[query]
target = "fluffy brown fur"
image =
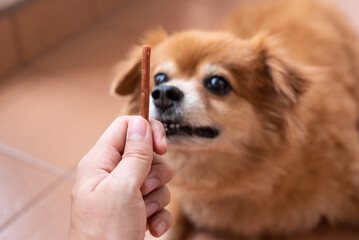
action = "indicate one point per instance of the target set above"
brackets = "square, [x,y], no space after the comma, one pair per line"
[287,156]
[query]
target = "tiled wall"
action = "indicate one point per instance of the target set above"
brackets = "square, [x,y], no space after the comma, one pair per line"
[35,26]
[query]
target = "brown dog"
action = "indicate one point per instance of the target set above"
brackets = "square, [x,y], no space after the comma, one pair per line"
[261,119]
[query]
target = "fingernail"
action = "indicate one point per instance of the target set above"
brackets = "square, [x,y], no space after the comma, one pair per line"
[160,228]
[136,129]
[151,208]
[164,141]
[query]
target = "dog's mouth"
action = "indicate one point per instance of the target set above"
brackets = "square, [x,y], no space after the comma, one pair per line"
[179,129]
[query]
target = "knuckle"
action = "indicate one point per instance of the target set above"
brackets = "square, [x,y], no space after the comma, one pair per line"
[81,163]
[129,189]
[156,123]
[73,194]
[163,196]
[169,218]
[138,153]
[119,120]
[165,172]
[167,195]
[157,127]
[128,183]
[162,173]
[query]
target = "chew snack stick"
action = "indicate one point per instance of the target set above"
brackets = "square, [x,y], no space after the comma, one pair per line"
[145,81]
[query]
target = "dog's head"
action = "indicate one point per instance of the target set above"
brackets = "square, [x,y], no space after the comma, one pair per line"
[213,91]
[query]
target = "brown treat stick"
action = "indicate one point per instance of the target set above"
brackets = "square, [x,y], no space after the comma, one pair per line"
[145,81]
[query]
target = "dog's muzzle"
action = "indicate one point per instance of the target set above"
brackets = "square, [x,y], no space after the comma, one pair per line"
[167,100]
[165,97]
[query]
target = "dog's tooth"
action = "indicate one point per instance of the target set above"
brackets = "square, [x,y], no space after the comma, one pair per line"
[172,125]
[177,125]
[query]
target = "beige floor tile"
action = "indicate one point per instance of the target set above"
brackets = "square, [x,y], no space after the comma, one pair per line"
[54,120]
[20,185]
[48,219]
[8,56]
[18,82]
[89,59]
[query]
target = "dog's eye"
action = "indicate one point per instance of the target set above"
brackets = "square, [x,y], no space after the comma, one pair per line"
[160,78]
[217,85]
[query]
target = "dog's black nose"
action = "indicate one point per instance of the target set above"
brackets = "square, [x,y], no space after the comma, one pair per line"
[165,96]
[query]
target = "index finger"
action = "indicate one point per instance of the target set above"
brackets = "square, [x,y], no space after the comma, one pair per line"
[159,137]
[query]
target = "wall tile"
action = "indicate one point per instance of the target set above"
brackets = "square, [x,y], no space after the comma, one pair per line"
[8,56]
[44,23]
[102,7]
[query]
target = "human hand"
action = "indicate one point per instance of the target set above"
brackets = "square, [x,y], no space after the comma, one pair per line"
[120,184]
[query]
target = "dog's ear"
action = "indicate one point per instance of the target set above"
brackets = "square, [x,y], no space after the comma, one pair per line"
[286,78]
[128,73]
[281,84]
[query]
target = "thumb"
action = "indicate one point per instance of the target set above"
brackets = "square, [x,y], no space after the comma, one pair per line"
[138,153]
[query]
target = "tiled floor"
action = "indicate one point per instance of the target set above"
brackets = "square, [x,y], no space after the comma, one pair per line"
[53,110]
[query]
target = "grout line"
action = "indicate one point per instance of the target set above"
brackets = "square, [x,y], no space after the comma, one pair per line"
[14,153]
[52,187]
